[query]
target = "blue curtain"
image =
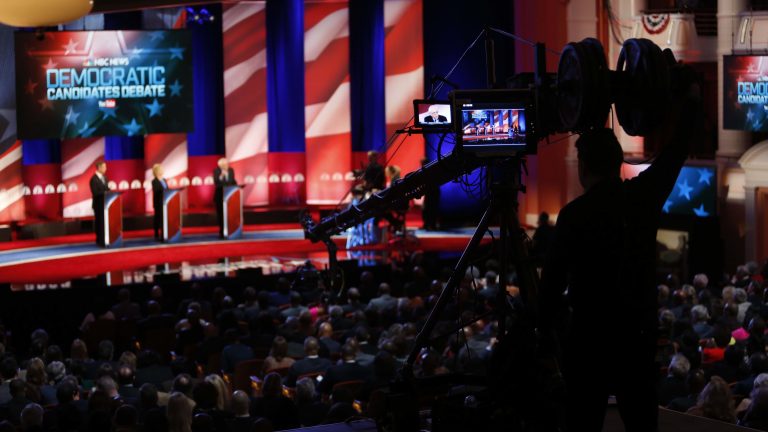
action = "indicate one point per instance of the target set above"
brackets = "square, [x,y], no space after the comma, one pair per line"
[366,70]
[208,75]
[285,75]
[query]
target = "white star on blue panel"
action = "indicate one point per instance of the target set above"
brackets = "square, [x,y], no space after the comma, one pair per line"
[109,112]
[176,88]
[136,52]
[700,211]
[157,35]
[155,108]
[177,52]
[705,175]
[132,128]
[685,190]
[71,117]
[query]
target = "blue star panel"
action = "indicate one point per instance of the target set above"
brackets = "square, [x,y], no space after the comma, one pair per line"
[694,193]
[103,83]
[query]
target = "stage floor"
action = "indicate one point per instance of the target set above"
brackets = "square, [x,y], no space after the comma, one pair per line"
[58,260]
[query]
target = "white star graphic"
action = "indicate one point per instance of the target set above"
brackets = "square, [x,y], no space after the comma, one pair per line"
[70,47]
[50,64]
[705,175]
[685,190]
[699,211]
[71,117]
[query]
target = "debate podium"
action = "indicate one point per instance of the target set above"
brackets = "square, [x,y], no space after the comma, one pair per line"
[232,215]
[113,219]
[171,215]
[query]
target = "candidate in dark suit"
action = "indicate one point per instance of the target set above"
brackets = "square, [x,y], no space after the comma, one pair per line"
[159,185]
[99,187]
[223,175]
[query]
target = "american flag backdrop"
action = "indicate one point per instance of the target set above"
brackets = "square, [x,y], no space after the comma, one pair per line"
[318,171]
[245,98]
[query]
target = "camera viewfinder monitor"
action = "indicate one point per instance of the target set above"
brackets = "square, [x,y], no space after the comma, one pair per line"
[432,114]
[494,123]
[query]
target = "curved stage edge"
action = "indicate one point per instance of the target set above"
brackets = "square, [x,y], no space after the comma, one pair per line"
[65,258]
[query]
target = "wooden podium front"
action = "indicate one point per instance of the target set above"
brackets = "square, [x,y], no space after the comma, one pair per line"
[113,219]
[233,212]
[172,215]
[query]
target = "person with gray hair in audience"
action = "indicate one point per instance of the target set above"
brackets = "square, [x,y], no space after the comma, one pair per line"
[740,297]
[673,385]
[241,408]
[310,410]
[700,320]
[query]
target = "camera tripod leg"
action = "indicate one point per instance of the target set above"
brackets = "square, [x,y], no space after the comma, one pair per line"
[445,296]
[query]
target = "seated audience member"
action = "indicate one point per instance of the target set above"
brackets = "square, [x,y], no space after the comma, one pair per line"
[758,363]
[715,402]
[18,401]
[309,409]
[760,381]
[674,384]
[740,298]
[756,335]
[328,345]
[278,356]
[281,296]
[384,303]
[179,413]
[104,356]
[151,370]
[37,383]
[125,309]
[273,405]
[234,352]
[155,319]
[338,320]
[126,380]
[342,408]
[150,413]
[695,383]
[125,419]
[205,396]
[347,370]
[700,318]
[296,307]
[353,301]
[310,364]
[730,367]
[756,416]
[223,398]
[249,309]
[722,337]
[70,412]
[32,418]
[9,370]
[241,408]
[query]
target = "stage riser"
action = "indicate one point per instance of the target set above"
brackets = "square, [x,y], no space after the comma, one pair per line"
[134,223]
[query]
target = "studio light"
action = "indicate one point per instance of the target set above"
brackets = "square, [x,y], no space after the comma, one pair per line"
[42,13]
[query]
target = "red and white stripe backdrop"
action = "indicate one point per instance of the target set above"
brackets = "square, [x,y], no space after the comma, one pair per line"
[404,58]
[245,96]
[327,99]
[78,157]
[11,184]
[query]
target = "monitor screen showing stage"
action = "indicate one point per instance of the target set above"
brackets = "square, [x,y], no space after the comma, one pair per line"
[96,83]
[432,114]
[493,127]
[745,92]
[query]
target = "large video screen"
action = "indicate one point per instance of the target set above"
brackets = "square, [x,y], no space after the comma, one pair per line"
[493,127]
[745,92]
[96,83]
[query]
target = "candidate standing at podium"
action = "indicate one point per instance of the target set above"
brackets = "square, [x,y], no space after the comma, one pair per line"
[99,187]
[159,185]
[223,175]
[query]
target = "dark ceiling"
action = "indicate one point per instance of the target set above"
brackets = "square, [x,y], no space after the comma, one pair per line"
[100,6]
